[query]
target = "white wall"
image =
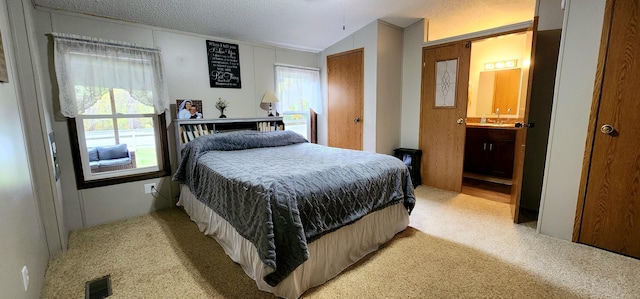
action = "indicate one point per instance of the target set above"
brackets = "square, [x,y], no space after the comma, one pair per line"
[411,83]
[186,74]
[366,38]
[474,16]
[389,88]
[572,100]
[21,227]
[37,128]
[550,14]
[383,75]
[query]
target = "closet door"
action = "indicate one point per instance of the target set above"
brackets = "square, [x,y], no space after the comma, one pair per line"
[345,93]
[610,216]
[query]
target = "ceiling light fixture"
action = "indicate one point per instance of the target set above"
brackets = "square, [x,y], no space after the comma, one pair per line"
[505,64]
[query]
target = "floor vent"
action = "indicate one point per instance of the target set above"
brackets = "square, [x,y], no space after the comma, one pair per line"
[99,288]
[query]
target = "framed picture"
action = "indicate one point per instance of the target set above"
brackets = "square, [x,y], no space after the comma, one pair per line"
[4,76]
[224,64]
[187,109]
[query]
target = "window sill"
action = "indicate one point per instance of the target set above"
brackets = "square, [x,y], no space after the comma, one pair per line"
[82,184]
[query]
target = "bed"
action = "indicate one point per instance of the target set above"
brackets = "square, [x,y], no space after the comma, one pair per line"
[291,213]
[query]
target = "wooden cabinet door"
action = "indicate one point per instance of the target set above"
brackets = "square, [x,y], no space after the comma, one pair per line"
[610,216]
[475,152]
[490,152]
[501,152]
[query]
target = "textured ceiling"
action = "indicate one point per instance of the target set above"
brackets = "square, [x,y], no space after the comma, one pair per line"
[311,25]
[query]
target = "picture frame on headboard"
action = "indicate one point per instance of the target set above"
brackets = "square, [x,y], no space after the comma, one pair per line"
[182,109]
[4,76]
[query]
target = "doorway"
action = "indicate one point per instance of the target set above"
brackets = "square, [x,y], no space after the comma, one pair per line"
[509,158]
[498,83]
[527,171]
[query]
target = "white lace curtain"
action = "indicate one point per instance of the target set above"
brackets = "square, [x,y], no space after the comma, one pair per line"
[298,88]
[95,64]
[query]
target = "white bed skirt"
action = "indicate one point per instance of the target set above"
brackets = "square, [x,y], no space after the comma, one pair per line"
[328,256]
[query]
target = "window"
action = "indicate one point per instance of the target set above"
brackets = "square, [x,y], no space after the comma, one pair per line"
[298,91]
[114,97]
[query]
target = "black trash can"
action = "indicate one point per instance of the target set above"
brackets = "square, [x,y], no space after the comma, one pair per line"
[411,158]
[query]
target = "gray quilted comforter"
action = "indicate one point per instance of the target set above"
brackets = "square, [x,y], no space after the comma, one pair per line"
[281,192]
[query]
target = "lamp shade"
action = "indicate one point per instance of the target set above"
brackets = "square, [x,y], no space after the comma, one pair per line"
[269,97]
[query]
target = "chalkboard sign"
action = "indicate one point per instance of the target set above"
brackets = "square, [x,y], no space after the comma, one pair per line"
[224,64]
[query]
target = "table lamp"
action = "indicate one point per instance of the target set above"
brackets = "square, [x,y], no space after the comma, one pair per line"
[269,97]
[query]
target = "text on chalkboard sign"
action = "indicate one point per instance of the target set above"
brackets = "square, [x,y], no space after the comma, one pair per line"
[224,64]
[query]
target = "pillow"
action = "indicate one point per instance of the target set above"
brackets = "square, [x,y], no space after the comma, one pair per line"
[239,140]
[93,154]
[113,152]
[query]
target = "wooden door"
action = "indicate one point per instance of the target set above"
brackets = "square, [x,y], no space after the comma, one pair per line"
[443,108]
[530,170]
[345,93]
[521,135]
[610,214]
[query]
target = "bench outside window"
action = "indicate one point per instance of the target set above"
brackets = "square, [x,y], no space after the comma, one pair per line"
[111,158]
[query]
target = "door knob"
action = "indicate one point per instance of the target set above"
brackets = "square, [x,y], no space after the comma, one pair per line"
[607,129]
[356,120]
[460,121]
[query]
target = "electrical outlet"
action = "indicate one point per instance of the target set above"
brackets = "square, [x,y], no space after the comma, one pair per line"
[25,278]
[148,188]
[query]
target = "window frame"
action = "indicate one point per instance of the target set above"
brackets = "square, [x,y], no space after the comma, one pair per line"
[307,115]
[164,169]
[310,115]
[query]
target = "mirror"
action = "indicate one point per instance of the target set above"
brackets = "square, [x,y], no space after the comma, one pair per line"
[499,89]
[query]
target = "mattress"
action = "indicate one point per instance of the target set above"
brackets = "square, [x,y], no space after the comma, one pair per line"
[328,255]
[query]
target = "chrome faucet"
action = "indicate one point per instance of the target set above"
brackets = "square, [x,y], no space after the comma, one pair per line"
[498,113]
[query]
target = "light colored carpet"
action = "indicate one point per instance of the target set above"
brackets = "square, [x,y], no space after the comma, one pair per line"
[458,246]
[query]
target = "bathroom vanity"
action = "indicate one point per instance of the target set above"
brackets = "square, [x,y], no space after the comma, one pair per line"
[489,150]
